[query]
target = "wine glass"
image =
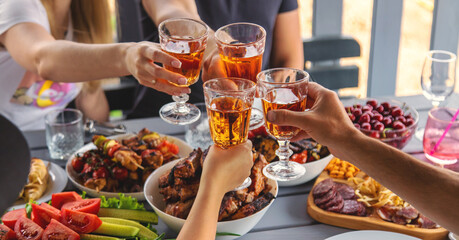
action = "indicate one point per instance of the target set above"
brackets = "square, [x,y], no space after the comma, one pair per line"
[241,47]
[283,88]
[229,104]
[446,150]
[438,78]
[185,39]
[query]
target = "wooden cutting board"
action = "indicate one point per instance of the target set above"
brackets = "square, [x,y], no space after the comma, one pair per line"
[371,222]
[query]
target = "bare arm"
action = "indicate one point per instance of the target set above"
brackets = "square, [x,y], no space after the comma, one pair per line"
[160,10]
[93,104]
[433,191]
[223,171]
[36,50]
[287,44]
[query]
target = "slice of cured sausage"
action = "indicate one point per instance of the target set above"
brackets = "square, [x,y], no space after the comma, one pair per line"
[327,197]
[323,187]
[346,191]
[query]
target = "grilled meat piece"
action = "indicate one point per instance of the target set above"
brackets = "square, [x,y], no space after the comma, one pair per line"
[258,179]
[128,158]
[179,209]
[188,191]
[152,158]
[397,214]
[229,206]
[423,222]
[190,166]
[170,194]
[97,184]
[253,207]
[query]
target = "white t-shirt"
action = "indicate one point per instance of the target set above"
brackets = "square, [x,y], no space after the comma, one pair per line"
[25,98]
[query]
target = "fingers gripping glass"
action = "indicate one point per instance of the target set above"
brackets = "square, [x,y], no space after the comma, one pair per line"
[185,39]
[283,88]
[241,47]
[229,104]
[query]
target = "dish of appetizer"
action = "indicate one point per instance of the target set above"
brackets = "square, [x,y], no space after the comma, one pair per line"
[73,216]
[345,196]
[45,178]
[122,163]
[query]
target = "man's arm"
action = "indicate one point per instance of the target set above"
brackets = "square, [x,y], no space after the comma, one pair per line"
[160,10]
[432,190]
[287,44]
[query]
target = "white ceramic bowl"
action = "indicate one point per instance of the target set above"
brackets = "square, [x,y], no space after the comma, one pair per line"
[313,169]
[184,150]
[239,226]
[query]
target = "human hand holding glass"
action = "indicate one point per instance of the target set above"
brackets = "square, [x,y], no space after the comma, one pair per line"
[186,40]
[229,104]
[283,88]
[241,47]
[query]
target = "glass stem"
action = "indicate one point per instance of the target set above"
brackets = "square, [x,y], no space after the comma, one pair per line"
[180,103]
[436,103]
[284,152]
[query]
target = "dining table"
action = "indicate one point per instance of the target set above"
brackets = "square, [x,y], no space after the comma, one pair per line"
[287,218]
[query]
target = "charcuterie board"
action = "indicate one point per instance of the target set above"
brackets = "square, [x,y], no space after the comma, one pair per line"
[369,222]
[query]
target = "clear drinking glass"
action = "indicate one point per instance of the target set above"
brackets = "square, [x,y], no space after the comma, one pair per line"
[447,151]
[438,78]
[241,47]
[197,134]
[64,132]
[229,104]
[185,39]
[283,88]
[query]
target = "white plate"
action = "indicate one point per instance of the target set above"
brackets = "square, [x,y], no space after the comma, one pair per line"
[56,183]
[371,234]
[184,150]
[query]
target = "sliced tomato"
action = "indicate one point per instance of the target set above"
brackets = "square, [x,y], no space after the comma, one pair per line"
[59,199]
[57,231]
[101,172]
[42,214]
[26,229]
[166,147]
[85,205]
[6,233]
[10,218]
[80,222]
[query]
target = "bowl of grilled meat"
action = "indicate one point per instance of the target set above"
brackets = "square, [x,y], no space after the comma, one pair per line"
[122,163]
[311,155]
[172,188]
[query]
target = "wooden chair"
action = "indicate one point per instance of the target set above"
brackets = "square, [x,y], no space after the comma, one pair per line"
[324,54]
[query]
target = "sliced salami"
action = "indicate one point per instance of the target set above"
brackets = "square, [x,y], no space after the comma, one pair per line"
[351,207]
[346,191]
[327,197]
[323,187]
[337,200]
[336,208]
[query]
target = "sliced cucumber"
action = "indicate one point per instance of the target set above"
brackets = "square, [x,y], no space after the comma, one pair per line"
[136,215]
[144,232]
[97,237]
[117,230]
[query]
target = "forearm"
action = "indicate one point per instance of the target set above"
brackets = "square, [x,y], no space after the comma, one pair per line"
[432,190]
[160,10]
[56,61]
[93,104]
[202,220]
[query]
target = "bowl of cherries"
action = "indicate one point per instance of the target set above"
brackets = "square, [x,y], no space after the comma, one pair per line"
[390,121]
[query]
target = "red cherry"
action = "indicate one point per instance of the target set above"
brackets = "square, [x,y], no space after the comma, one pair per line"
[365,126]
[378,117]
[365,118]
[367,108]
[390,134]
[409,122]
[386,113]
[357,112]
[372,102]
[387,121]
[386,105]
[401,119]
[356,125]
[378,126]
[374,134]
[352,117]
[398,125]
[380,108]
[397,112]
[357,106]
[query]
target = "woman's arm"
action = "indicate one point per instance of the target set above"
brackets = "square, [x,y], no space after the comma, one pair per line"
[432,190]
[93,103]
[63,61]
[287,49]
[223,171]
